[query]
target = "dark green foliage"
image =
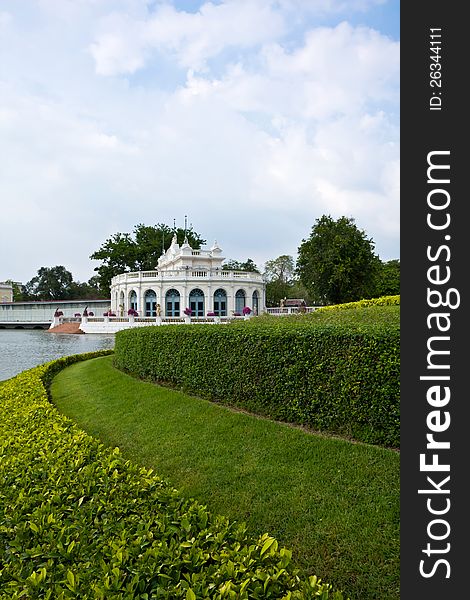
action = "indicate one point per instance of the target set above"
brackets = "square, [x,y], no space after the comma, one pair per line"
[56,283]
[237,265]
[336,371]
[281,281]
[388,278]
[138,251]
[337,262]
[78,521]
[51,283]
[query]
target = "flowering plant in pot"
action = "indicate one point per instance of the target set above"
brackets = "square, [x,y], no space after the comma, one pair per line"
[188,312]
[246,310]
[211,314]
[77,315]
[91,314]
[132,312]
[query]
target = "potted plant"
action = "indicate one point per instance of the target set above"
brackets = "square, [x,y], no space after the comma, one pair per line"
[246,312]
[57,314]
[187,315]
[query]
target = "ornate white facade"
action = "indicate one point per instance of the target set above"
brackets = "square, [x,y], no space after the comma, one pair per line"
[6,292]
[188,279]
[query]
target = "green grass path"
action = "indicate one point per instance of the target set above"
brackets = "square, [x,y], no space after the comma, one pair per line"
[333,502]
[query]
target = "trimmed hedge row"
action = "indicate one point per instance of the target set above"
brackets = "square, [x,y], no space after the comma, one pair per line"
[382,301]
[338,378]
[78,521]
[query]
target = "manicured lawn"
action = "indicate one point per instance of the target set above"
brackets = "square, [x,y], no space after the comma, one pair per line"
[333,502]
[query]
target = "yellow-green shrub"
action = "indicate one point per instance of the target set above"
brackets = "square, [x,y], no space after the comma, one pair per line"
[382,301]
[78,521]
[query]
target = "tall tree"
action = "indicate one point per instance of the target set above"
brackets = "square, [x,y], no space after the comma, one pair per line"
[139,251]
[388,278]
[337,262]
[282,281]
[280,269]
[279,275]
[50,283]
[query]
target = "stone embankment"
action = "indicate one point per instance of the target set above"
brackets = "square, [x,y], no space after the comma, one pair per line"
[66,328]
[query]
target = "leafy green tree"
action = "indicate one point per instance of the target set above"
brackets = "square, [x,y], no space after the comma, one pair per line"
[279,276]
[298,290]
[235,265]
[388,278]
[282,281]
[50,283]
[280,269]
[86,291]
[139,251]
[337,263]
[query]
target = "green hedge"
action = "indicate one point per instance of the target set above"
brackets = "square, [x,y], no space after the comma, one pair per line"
[78,521]
[382,301]
[328,372]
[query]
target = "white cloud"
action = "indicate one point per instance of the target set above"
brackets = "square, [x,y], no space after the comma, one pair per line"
[5,19]
[299,84]
[338,69]
[192,38]
[253,148]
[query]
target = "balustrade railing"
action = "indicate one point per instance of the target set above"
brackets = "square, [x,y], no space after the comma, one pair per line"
[187,274]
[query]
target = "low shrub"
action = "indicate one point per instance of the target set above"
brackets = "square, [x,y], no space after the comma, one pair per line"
[382,301]
[78,521]
[335,374]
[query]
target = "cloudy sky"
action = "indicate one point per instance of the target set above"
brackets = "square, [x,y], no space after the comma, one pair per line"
[252,117]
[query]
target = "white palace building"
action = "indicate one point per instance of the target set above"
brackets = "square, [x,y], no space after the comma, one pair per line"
[188,279]
[187,286]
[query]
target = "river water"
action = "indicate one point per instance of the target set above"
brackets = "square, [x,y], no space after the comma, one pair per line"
[22,349]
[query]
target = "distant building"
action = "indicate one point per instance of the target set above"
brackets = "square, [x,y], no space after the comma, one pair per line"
[40,314]
[188,278]
[293,302]
[6,292]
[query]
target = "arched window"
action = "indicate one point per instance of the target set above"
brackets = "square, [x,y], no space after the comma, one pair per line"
[196,302]
[255,302]
[172,303]
[220,303]
[240,301]
[150,300]
[133,300]
[121,308]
